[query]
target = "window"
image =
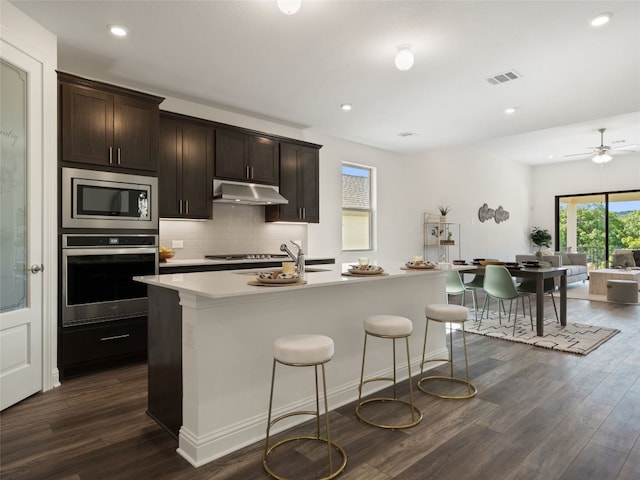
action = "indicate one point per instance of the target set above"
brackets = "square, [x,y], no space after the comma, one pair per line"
[357,207]
[598,224]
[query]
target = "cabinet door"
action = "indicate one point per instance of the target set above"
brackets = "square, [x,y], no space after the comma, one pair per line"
[170,167]
[231,154]
[196,156]
[263,160]
[135,133]
[288,186]
[87,125]
[308,184]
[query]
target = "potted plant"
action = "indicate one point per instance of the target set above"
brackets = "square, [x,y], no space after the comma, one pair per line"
[541,238]
[443,212]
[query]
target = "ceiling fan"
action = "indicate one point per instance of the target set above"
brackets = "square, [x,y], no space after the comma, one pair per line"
[602,154]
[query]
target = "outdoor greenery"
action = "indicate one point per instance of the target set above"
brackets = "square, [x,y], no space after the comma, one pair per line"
[624,230]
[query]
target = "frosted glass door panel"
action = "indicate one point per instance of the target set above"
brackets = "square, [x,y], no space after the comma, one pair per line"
[13,188]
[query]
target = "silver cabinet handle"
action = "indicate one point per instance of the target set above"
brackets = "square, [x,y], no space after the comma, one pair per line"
[115,337]
[35,268]
[251,173]
[186,207]
[180,206]
[110,155]
[118,155]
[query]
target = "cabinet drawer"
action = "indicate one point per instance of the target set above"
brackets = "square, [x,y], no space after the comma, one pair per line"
[102,341]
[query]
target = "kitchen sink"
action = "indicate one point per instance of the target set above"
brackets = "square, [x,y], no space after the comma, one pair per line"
[255,272]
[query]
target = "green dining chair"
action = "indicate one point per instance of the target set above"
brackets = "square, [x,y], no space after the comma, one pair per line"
[455,286]
[476,284]
[498,284]
[528,287]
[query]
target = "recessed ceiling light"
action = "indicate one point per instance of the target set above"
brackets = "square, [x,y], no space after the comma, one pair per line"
[118,30]
[346,107]
[601,19]
[549,157]
[510,110]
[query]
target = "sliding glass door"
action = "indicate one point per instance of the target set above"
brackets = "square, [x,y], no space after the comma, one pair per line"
[597,224]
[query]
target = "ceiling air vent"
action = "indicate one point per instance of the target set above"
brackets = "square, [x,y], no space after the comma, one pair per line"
[504,77]
[406,134]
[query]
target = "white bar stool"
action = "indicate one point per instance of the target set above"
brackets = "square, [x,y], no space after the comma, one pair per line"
[393,327]
[446,313]
[304,351]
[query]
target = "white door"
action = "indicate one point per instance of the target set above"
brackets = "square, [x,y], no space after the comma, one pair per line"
[21,280]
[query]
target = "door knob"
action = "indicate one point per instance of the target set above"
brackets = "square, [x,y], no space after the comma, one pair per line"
[35,268]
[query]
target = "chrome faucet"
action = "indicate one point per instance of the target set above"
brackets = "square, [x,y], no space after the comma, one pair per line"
[299,258]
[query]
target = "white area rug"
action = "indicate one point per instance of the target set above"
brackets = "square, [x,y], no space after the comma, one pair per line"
[573,338]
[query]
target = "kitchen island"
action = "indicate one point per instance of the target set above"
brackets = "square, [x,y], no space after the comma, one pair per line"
[210,346]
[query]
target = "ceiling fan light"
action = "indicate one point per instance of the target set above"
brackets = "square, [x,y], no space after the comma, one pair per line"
[602,158]
[601,19]
[404,58]
[289,7]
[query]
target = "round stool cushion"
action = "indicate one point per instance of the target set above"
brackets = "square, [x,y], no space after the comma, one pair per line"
[388,325]
[303,349]
[443,312]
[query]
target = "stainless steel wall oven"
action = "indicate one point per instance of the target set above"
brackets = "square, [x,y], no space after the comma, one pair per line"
[97,276]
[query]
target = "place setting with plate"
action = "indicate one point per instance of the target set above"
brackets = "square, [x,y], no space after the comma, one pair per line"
[288,276]
[364,268]
[418,263]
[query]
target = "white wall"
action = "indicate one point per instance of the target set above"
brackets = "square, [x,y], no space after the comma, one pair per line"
[464,178]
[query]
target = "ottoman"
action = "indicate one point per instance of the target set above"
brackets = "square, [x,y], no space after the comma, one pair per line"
[623,291]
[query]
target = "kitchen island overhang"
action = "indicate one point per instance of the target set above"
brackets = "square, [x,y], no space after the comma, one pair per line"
[222,347]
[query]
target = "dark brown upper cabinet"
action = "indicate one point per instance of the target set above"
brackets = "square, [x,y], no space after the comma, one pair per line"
[299,183]
[106,125]
[246,157]
[185,167]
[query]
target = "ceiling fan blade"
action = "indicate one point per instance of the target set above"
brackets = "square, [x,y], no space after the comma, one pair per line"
[629,148]
[578,154]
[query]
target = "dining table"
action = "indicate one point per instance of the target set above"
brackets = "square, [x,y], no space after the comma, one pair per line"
[539,274]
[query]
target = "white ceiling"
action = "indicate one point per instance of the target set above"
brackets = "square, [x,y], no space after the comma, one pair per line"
[246,56]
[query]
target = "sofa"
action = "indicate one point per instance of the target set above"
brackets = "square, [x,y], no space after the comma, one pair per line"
[576,264]
[625,258]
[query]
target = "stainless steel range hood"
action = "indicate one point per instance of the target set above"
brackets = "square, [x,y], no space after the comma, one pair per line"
[246,193]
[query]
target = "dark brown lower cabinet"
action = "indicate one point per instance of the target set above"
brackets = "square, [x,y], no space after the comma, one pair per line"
[87,348]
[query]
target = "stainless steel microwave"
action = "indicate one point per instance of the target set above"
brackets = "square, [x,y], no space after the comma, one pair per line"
[106,200]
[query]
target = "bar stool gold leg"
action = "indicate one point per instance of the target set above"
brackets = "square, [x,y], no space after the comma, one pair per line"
[404,327]
[449,314]
[332,447]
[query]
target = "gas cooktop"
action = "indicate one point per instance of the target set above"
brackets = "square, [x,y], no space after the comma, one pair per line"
[247,256]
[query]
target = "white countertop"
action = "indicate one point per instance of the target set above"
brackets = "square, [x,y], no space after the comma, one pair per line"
[231,283]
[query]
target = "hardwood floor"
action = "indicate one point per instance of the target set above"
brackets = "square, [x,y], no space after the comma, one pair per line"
[539,415]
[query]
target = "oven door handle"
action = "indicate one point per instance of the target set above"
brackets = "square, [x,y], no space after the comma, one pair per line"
[76,252]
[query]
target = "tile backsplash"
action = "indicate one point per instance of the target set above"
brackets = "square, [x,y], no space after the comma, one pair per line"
[232,229]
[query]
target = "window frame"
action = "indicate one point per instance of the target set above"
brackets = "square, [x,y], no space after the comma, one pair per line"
[371,210]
